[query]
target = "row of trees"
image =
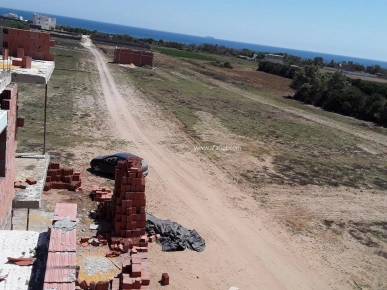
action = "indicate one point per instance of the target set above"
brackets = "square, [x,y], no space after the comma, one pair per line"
[75,29]
[282,70]
[337,93]
[223,50]
[205,47]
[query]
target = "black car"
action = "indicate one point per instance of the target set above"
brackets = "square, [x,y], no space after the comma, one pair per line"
[107,163]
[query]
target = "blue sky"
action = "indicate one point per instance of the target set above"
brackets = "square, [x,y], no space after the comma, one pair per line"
[343,27]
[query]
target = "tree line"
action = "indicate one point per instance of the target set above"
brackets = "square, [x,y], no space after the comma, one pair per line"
[229,51]
[337,93]
[286,71]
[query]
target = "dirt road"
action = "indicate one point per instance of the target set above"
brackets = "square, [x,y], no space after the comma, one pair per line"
[184,187]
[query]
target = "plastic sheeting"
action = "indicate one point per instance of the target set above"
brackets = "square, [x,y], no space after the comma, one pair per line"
[174,237]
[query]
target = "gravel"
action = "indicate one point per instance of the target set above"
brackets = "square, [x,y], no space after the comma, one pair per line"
[94,265]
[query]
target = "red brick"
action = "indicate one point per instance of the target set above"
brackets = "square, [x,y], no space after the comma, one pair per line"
[26,62]
[165,279]
[92,285]
[20,122]
[34,35]
[16,62]
[49,57]
[13,31]
[44,36]
[31,180]
[145,277]
[85,239]
[20,52]
[5,53]
[44,49]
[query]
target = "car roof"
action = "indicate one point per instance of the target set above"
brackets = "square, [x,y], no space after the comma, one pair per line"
[124,155]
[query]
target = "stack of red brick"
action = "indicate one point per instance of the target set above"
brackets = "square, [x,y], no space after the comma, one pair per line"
[135,273]
[129,200]
[62,178]
[61,263]
[25,43]
[102,194]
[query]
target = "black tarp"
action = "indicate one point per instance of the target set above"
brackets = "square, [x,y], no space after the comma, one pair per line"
[174,237]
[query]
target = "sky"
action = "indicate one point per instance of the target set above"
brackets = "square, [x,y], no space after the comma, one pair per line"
[343,27]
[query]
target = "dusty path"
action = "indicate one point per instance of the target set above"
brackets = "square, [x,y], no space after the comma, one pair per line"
[240,250]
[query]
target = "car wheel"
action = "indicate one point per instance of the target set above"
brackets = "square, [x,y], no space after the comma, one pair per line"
[96,169]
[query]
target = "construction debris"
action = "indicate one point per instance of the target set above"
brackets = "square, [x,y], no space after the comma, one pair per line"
[112,254]
[93,227]
[20,184]
[21,261]
[65,224]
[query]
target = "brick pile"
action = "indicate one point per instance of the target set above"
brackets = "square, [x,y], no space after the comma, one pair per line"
[102,194]
[62,178]
[104,197]
[128,204]
[26,44]
[136,57]
[61,270]
[135,273]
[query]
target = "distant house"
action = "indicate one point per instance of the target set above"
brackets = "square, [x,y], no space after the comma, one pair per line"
[254,58]
[274,58]
[44,22]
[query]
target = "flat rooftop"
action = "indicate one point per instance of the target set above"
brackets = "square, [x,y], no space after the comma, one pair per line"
[39,73]
[16,244]
[35,166]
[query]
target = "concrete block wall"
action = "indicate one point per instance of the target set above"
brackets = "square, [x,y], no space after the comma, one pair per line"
[137,57]
[28,43]
[8,146]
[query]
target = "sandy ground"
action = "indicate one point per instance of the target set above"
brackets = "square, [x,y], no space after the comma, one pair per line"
[185,187]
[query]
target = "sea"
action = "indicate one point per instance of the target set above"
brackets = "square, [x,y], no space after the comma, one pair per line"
[189,39]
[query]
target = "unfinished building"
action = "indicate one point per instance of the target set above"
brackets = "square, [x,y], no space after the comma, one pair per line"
[12,70]
[26,43]
[131,56]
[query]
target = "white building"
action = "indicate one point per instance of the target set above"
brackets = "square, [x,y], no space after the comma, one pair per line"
[44,22]
[275,58]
